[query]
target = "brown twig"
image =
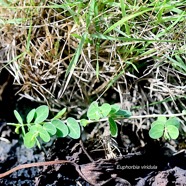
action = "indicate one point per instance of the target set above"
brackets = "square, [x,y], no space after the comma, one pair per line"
[38,164]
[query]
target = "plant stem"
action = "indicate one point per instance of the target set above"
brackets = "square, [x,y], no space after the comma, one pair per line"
[156,115]
[139,117]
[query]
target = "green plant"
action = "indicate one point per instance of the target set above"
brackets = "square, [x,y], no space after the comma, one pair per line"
[37,125]
[169,129]
[111,112]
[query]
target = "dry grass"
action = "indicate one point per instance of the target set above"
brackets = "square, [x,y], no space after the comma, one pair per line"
[133,53]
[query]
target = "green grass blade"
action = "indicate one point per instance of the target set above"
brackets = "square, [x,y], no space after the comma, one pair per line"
[74,61]
[172,25]
[29,37]
[90,13]
[127,18]
[67,6]
[112,81]
[178,64]
[123,10]
[111,38]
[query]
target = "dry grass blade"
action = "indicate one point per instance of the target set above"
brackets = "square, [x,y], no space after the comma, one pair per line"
[59,52]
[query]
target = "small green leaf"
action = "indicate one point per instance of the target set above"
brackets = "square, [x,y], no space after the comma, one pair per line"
[35,128]
[44,134]
[18,117]
[30,115]
[172,131]
[29,139]
[62,129]
[41,114]
[184,112]
[17,129]
[93,112]
[113,127]
[60,114]
[20,120]
[84,122]
[122,113]
[162,119]
[173,121]
[156,131]
[74,128]
[114,109]
[50,128]
[105,109]
[157,123]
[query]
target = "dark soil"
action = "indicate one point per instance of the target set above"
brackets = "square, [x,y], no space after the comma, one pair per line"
[155,163]
[151,165]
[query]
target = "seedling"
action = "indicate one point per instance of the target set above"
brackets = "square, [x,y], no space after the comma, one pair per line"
[38,127]
[169,129]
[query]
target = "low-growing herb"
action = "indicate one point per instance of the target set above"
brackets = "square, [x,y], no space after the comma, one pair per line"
[169,129]
[39,128]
